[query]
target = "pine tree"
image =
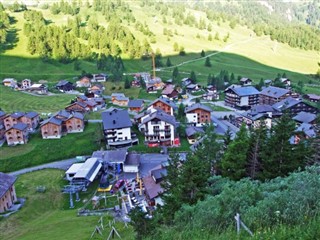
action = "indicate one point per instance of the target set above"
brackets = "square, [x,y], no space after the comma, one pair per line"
[207,63]
[175,75]
[202,54]
[168,63]
[127,83]
[193,77]
[280,157]
[234,160]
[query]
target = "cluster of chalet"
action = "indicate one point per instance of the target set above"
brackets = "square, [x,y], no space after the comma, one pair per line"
[61,123]
[15,127]
[26,85]
[270,104]
[84,104]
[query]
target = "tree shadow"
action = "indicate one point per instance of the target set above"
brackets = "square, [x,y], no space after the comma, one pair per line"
[12,37]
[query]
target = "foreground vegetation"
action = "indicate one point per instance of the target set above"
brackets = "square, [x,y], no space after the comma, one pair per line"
[44,217]
[38,151]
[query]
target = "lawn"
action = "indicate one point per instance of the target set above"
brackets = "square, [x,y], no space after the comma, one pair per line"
[38,151]
[43,216]
[12,101]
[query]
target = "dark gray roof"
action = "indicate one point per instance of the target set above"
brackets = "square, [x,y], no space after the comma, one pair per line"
[17,114]
[31,114]
[191,130]
[192,86]
[196,106]
[62,83]
[274,92]
[307,129]
[133,159]
[78,115]
[135,103]
[159,173]
[112,156]
[267,81]
[63,113]
[245,91]
[52,120]
[2,113]
[165,101]
[286,103]
[115,118]
[6,182]
[20,126]
[305,117]
[263,108]
[161,116]
[83,97]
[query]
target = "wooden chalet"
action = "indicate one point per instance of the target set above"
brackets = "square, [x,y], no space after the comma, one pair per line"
[7,192]
[136,105]
[170,92]
[12,119]
[164,104]
[31,119]
[17,134]
[84,82]
[51,128]
[75,123]
[64,86]
[198,114]
[78,107]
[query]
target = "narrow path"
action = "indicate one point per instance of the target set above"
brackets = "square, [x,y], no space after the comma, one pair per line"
[63,164]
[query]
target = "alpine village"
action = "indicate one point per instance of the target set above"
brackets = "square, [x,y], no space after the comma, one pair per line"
[154,119]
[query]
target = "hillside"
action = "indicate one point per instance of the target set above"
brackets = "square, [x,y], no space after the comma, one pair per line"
[235,48]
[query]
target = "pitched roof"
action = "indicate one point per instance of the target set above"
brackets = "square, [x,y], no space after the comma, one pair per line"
[6,182]
[161,116]
[63,113]
[31,114]
[305,117]
[52,120]
[20,126]
[313,96]
[111,156]
[274,92]
[2,113]
[62,83]
[263,108]
[82,97]
[16,115]
[286,103]
[307,129]
[197,106]
[191,130]
[133,159]
[244,91]
[165,101]
[152,189]
[115,118]
[168,89]
[159,173]
[135,103]
[77,115]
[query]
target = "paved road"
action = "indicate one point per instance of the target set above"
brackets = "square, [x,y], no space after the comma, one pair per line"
[63,164]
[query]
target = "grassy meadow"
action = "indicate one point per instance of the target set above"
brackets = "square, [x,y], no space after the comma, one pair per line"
[38,151]
[44,217]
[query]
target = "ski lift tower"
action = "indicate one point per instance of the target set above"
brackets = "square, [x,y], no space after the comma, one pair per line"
[73,189]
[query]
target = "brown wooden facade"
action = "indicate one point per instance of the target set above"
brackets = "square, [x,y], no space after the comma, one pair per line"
[16,136]
[74,125]
[163,106]
[51,130]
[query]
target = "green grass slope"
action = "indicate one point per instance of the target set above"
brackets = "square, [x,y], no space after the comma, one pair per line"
[39,151]
[43,216]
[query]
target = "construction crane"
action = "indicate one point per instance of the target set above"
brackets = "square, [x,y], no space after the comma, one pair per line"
[153,66]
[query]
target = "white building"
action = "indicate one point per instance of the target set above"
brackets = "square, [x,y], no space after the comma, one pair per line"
[158,128]
[117,128]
